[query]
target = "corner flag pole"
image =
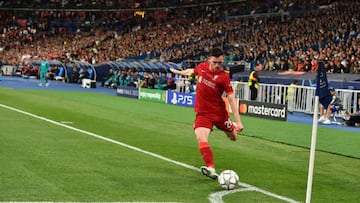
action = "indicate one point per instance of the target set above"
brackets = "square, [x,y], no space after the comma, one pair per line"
[312,151]
[323,96]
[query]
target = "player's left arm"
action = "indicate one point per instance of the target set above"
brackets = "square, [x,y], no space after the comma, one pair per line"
[235,110]
[233,103]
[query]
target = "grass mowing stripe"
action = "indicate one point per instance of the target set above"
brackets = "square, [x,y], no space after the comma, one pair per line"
[294,145]
[148,153]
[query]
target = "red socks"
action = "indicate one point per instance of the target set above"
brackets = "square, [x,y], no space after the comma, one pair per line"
[206,154]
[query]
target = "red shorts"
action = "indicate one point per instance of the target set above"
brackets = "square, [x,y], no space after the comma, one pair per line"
[222,122]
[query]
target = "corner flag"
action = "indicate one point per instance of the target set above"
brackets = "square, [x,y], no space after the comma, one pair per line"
[322,86]
[322,95]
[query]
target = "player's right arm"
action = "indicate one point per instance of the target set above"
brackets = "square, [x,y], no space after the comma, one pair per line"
[186,72]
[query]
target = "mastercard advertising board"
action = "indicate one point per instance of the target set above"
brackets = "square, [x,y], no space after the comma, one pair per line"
[263,110]
[260,109]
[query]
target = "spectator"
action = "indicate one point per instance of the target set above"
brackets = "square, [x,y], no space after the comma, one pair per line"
[353,119]
[284,64]
[314,65]
[162,81]
[269,64]
[307,66]
[83,74]
[108,79]
[133,78]
[332,67]
[150,80]
[170,83]
[335,105]
[74,75]
[122,78]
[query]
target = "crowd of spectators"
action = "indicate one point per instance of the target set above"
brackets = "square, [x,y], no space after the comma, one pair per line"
[101,4]
[133,78]
[305,30]
[330,33]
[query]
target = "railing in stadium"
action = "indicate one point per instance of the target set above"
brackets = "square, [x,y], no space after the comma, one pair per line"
[303,100]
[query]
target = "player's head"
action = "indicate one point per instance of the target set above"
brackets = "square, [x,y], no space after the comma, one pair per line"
[332,90]
[216,52]
[216,58]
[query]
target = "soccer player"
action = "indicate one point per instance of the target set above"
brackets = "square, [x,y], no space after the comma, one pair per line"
[210,108]
[43,69]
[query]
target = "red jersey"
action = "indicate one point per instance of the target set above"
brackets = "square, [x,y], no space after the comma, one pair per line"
[210,88]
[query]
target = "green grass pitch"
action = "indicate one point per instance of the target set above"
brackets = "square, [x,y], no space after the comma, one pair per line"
[45,161]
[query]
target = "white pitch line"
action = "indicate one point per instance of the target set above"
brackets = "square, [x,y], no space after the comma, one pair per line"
[66,122]
[216,195]
[268,193]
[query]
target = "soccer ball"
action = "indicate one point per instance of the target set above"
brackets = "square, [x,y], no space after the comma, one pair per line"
[228,179]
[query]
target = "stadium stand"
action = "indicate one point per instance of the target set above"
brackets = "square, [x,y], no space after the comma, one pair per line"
[283,35]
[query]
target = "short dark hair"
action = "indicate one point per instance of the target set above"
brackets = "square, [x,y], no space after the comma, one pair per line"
[216,52]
